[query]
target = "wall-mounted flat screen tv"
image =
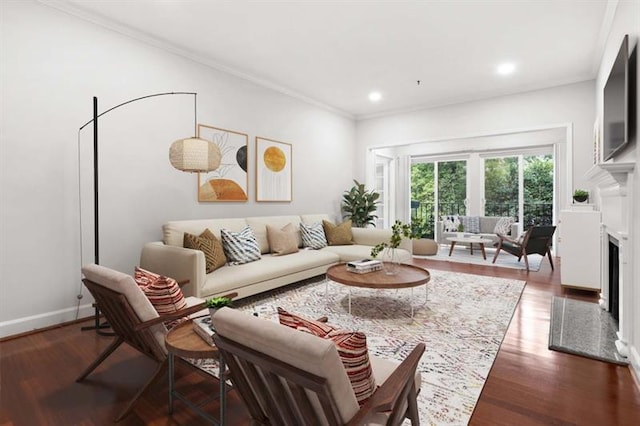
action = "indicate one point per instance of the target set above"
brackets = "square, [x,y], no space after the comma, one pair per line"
[615,124]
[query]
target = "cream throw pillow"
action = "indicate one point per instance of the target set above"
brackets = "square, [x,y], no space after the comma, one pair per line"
[282,241]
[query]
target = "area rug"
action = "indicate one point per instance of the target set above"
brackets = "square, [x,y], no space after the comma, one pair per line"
[462,325]
[583,328]
[463,255]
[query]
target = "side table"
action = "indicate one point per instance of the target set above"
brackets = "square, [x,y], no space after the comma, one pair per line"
[183,341]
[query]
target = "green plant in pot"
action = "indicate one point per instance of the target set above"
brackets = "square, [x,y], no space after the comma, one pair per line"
[358,204]
[216,303]
[580,195]
[398,231]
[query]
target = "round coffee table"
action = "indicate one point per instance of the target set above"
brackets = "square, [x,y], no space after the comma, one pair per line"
[471,241]
[407,276]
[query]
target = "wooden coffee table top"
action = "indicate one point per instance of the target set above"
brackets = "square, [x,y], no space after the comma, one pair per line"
[407,276]
[183,341]
[477,240]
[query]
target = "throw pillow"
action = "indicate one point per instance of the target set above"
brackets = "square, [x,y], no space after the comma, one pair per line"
[471,224]
[282,241]
[240,247]
[208,244]
[338,235]
[503,226]
[352,350]
[164,293]
[313,236]
[451,223]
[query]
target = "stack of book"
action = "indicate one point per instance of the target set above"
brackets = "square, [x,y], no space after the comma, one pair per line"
[363,266]
[202,327]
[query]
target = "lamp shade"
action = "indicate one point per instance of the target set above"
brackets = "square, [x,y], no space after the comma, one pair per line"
[194,155]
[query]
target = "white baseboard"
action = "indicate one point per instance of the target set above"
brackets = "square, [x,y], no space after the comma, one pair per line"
[47,319]
[634,361]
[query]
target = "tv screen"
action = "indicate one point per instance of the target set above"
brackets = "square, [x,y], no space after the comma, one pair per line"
[616,104]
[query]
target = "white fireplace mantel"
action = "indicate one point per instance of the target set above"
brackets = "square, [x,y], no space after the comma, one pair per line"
[611,177]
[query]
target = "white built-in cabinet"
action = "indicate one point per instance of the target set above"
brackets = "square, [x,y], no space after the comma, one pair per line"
[579,240]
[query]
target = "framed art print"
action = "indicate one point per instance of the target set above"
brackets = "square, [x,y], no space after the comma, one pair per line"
[273,170]
[229,182]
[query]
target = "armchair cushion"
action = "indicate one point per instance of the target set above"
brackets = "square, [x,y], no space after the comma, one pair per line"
[352,350]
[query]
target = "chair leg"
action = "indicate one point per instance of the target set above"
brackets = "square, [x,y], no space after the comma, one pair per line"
[412,409]
[496,255]
[162,368]
[108,351]
[550,258]
[526,261]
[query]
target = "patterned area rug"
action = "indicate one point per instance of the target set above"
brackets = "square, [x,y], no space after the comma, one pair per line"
[504,260]
[462,324]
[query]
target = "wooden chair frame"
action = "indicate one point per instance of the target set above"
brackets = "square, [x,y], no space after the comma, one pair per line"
[536,240]
[276,393]
[129,329]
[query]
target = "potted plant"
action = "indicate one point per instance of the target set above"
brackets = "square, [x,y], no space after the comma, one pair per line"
[580,195]
[216,303]
[398,231]
[358,204]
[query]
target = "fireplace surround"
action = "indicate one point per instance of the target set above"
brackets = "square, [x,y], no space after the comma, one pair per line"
[614,182]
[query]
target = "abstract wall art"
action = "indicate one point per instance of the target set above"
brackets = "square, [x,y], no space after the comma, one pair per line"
[273,170]
[229,182]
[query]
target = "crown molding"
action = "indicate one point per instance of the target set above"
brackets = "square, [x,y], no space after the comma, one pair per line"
[168,47]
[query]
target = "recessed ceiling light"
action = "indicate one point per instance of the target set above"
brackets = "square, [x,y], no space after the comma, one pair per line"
[375,96]
[506,68]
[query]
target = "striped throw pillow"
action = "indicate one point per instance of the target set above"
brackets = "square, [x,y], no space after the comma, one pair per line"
[240,247]
[313,236]
[208,244]
[164,293]
[352,350]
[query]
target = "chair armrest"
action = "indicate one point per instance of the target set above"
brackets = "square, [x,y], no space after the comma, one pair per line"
[507,238]
[393,390]
[172,316]
[176,262]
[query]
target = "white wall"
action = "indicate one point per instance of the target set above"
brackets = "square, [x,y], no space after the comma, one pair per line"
[52,66]
[627,21]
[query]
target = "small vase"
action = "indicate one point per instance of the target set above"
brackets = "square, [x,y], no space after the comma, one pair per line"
[390,261]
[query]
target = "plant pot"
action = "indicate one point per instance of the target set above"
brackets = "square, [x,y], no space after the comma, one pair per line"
[580,198]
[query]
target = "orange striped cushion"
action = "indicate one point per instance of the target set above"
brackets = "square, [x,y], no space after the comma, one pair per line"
[351,346]
[164,293]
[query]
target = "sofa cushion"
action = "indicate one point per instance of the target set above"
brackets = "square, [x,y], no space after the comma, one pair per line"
[240,247]
[282,240]
[470,223]
[269,267]
[173,232]
[208,244]
[351,346]
[259,226]
[338,235]
[503,227]
[313,236]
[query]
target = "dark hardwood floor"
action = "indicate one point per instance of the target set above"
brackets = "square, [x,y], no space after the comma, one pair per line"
[528,384]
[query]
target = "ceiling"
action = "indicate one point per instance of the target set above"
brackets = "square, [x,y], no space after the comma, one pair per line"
[334,53]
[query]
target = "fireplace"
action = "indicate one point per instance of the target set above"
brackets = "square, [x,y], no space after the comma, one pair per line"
[614,278]
[614,198]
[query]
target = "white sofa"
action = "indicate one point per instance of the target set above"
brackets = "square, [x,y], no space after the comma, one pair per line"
[169,258]
[487,225]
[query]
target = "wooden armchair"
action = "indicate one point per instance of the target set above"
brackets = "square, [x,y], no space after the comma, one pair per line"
[536,240]
[288,377]
[132,318]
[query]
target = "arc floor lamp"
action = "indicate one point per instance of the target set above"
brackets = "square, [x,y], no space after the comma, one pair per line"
[190,154]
